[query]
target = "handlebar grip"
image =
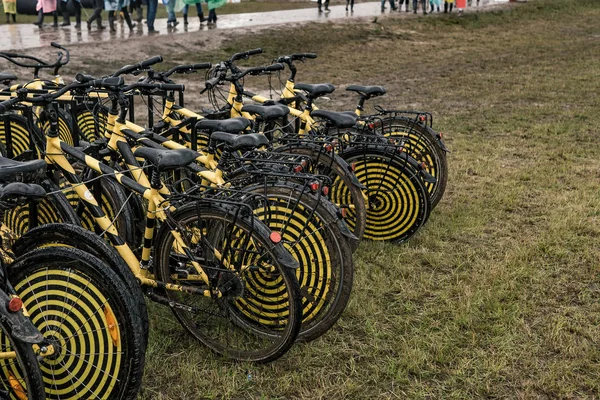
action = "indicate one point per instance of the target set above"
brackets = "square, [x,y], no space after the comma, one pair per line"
[274,67]
[205,65]
[54,44]
[172,86]
[83,78]
[211,83]
[7,104]
[310,55]
[151,61]
[254,51]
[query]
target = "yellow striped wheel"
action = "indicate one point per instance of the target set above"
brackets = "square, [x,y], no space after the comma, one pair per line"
[82,308]
[91,121]
[398,202]
[257,316]
[65,127]
[310,232]
[18,131]
[422,143]
[20,376]
[54,208]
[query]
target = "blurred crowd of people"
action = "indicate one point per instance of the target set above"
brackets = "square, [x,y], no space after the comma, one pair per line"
[123,9]
[431,5]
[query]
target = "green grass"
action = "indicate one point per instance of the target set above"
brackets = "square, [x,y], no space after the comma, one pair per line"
[498,296]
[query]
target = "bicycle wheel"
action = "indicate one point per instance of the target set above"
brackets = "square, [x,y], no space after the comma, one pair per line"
[422,143]
[344,191]
[91,120]
[310,231]
[398,202]
[14,134]
[85,311]
[54,208]
[65,127]
[258,317]
[20,376]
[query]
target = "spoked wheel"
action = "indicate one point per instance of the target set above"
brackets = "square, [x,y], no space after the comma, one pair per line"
[422,143]
[91,120]
[15,135]
[310,230]
[20,376]
[344,191]
[257,318]
[84,310]
[398,202]
[54,208]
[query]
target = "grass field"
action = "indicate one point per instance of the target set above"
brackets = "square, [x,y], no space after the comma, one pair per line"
[498,296]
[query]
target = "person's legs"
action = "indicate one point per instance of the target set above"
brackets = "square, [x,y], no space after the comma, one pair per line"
[111,21]
[393,5]
[7,18]
[40,20]
[62,5]
[200,12]
[14,17]
[212,16]
[151,16]
[127,18]
[185,12]
[77,5]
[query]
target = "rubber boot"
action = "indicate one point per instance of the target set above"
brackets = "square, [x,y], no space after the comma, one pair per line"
[7,18]
[100,26]
[78,21]
[127,18]
[139,15]
[66,18]
[185,21]
[14,18]
[55,18]
[111,21]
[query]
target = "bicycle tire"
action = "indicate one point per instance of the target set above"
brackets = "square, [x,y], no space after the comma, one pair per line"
[422,143]
[91,122]
[399,203]
[65,291]
[326,270]
[239,313]
[54,208]
[343,189]
[20,377]
[20,137]
[85,240]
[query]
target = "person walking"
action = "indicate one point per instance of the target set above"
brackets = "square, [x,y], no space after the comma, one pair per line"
[212,7]
[448,4]
[198,4]
[171,18]
[66,15]
[351,3]
[10,8]
[461,5]
[400,5]
[392,5]
[436,3]
[151,15]
[415,6]
[46,7]
[326,5]
[96,15]
[136,5]
[119,5]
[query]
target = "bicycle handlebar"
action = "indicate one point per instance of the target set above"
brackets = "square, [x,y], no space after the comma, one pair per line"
[187,69]
[127,69]
[245,54]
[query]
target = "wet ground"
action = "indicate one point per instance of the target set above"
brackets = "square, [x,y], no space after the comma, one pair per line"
[25,36]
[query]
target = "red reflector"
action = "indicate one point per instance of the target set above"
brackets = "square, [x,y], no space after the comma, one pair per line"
[400,149]
[328,147]
[275,237]
[371,125]
[303,163]
[353,166]
[14,304]
[344,212]
[423,165]
[441,135]
[421,118]
[314,186]
[298,168]
[326,190]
